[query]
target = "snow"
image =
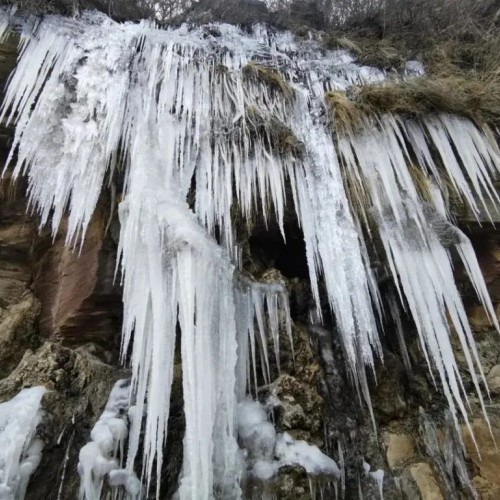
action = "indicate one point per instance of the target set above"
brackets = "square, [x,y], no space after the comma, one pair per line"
[171,109]
[20,449]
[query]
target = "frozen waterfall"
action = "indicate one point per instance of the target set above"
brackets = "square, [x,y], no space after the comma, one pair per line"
[190,108]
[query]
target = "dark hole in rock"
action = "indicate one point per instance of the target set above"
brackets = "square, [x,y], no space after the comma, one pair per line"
[270,250]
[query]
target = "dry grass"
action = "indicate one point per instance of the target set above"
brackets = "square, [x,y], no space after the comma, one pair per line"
[279,137]
[420,181]
[474,98]
[382,53]
[345,115]
[269,77]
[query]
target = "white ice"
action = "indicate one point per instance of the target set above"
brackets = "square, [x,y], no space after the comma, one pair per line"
[20,449]
[102,457]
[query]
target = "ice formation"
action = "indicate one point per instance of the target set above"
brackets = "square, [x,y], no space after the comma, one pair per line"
[445,446]
[20,449]
[102,458]
[182,110]
[266,451]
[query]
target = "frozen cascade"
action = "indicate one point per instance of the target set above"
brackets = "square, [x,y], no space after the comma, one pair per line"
[182,109]
[20,449]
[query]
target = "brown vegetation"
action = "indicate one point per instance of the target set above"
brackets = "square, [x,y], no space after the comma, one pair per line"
[475,98]
[269,77]
[279,137]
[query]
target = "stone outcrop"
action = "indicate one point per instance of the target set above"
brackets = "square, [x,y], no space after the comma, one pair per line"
[78,386]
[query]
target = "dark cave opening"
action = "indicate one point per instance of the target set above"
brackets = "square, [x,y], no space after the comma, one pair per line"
[269,249]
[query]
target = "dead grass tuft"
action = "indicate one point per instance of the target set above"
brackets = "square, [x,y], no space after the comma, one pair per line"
[473,98]
[345,114]
[279,136]
[270,78]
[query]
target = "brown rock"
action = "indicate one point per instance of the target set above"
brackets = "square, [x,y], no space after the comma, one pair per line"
[17,331]
[488,463]
[400,448]
[427,482]
[478,318]
[80,301]
[493,380]
[485,489]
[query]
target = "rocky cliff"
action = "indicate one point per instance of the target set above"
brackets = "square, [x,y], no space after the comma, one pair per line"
[60,326]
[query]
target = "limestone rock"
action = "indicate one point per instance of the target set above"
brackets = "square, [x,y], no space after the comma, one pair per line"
[427,482]
[297,406]
[17,331]
[493,380]
[400,448]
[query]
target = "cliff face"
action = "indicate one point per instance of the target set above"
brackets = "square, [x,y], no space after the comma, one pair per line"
[60,321]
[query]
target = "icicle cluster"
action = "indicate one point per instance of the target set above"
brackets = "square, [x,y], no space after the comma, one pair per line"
[238,118]
[418,235]
[20,449]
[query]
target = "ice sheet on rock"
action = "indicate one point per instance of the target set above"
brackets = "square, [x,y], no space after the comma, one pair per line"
[296,452]
[103,456]
[447,452]
[267,451]
[20,449]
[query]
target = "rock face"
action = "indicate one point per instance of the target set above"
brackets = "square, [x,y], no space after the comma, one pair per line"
[80,300]
[78,386]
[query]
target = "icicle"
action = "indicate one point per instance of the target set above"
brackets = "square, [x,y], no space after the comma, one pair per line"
[332,243]
[20,450]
